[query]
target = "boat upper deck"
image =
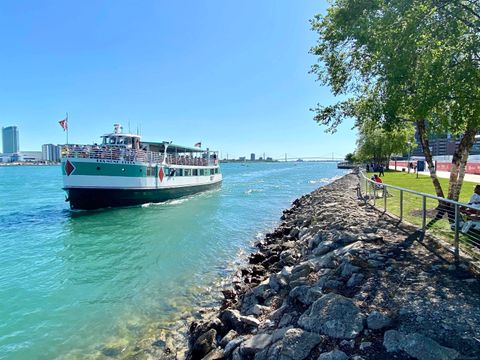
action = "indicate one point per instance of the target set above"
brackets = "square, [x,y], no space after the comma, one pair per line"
[173,156]
[119,146]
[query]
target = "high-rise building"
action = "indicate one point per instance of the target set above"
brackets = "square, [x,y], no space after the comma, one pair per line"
[252,157]
[10,140]
[50,152]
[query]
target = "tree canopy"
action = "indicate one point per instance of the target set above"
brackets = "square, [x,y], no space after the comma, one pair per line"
[379,145]
[403,61]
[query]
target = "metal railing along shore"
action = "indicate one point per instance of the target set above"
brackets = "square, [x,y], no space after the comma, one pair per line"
[457,224]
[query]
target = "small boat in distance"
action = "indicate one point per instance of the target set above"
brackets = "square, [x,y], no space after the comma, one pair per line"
[124,170]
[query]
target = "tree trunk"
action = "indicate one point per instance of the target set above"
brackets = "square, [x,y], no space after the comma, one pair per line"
[422,132]
[459,162]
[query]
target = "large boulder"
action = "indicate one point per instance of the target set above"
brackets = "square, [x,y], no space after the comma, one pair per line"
[333,355]
[204,344]
[234,320]
[297,343]
[305,294]
[376,321]
[255,344]
[333,315]
[417,346]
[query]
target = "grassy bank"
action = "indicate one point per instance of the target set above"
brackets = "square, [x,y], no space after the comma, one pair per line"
[423,183]
[413,204]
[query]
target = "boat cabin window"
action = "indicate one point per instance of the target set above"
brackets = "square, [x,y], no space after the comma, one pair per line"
[212,171]
[195,172]
[187,172]
[117,140]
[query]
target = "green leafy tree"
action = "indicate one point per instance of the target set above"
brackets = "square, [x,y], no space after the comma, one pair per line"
[350,157]
[401,62]
[378,145]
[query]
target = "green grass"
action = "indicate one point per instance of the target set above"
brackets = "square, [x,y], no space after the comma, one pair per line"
[423,183]
[413,204]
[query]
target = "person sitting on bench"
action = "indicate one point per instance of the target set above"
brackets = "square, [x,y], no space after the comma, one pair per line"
[474,209]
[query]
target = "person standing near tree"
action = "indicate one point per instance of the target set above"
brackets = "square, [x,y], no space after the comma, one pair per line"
[380,171]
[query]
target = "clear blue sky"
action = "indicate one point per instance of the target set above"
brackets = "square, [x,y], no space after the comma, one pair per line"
[232,74]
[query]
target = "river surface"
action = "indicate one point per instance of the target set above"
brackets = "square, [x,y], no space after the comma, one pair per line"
[73,283]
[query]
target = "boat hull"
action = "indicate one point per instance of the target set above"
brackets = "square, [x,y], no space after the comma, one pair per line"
[96,198]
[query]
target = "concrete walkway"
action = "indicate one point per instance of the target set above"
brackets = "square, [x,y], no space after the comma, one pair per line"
[446,174]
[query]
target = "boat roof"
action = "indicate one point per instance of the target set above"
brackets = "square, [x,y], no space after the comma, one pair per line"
[121,135]
[174,147]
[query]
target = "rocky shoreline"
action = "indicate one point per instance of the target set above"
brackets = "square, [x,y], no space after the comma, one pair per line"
[339,280]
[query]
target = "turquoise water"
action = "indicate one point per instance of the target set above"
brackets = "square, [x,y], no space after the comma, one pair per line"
[72,282]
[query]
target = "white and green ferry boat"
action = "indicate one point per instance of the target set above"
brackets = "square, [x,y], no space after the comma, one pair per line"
[124,170]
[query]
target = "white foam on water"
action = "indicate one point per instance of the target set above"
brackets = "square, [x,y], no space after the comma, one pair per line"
[251,191]
[324,180]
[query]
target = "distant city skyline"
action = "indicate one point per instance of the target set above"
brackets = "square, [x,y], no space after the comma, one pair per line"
[231,75]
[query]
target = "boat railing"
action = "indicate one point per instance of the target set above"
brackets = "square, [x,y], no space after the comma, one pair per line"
[125,154]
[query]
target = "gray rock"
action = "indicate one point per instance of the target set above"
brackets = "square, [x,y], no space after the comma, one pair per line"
[333,315]
[333,355]
[255,344]
[417,346]
[274,351]
[238,322]
[297,343]
[236,354]
[250,320]
[232,345]
[377,321]
[315,240]
[323,248]
[348,343]
[277,314]
[216,354]
[205,343]
[305,294]
[261,289]
[286,271]
[424,348]
[375,264]
[301,270]
[355,279]
[347,269]
[365,345]
[286,320]
[294,233]
[259,309]
[332,284]
[276,282]
[228,337]
[325,261]
[279,334]
[299,293]
[261,355]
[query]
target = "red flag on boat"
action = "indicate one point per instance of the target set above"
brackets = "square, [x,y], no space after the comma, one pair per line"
[64,124]
[199,145]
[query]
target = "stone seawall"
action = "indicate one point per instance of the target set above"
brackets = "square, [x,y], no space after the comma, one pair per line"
[338,280]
